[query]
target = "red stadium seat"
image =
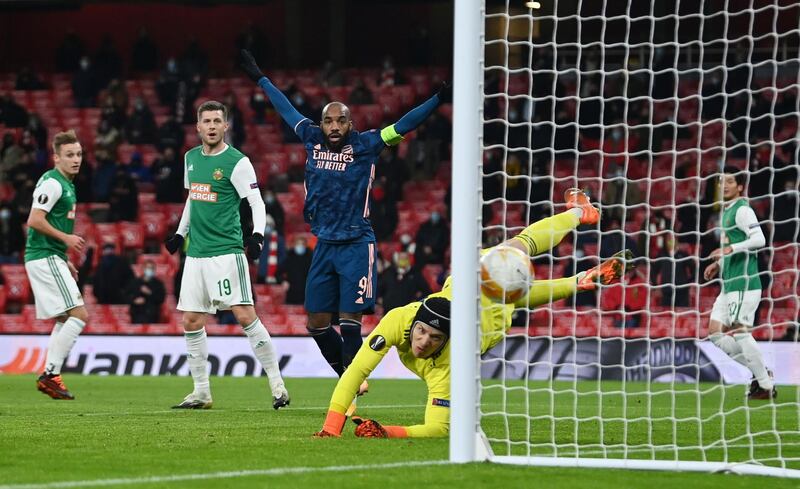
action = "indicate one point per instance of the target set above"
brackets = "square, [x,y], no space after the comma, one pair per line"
[132,235]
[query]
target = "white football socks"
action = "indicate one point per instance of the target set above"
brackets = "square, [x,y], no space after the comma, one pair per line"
[197,357]
[264,350]
[755,361]
[62,339]
[727,344]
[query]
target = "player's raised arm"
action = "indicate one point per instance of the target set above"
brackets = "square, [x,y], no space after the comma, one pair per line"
[278,99]
[394,134]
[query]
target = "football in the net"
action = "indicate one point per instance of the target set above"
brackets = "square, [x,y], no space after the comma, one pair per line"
[506,274]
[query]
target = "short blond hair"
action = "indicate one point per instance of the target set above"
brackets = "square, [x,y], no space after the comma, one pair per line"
[62,138]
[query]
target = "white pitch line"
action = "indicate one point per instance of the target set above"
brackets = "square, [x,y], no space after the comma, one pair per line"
[222,410]
[219,475]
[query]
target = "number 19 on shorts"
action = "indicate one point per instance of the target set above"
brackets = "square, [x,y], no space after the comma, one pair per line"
[224,287]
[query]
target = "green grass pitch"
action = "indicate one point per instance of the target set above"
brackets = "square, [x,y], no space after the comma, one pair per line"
[120,432]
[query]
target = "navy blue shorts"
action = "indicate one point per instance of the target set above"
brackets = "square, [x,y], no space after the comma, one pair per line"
[342,278]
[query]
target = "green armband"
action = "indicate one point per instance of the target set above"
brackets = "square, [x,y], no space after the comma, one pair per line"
[390,136]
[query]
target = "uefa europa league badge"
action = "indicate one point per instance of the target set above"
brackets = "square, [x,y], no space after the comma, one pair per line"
[217,175]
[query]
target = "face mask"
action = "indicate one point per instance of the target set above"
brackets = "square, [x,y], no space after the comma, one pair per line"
[299,249]
[149,273]
[85,64]
[269,199]
[5,214]
[435,217]
[405,239]
[297,99]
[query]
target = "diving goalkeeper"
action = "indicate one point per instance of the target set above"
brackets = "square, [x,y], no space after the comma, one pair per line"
[420,331]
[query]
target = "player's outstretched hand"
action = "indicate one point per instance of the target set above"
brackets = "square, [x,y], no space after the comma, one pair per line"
[250,67]
[254,244]
[445,93]
[173,243]
[369,428]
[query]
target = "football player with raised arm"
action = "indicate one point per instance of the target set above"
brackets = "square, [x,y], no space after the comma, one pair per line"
[339,171]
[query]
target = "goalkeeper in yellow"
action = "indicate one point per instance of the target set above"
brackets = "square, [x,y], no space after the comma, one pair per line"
[420,330]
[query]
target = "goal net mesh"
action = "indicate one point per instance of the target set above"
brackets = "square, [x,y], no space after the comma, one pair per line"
[641,104]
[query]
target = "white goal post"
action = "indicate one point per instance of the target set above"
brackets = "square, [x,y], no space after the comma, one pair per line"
[653,102]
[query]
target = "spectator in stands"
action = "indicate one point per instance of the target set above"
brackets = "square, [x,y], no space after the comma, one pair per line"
[10,155]
[785,213]
[275,209]
[188,90]
[193,61]
[407,244]
[392,172]
[360,95]
[147,294]
[272,253]
[635,295]
[112,277]
[137,169]
[170,135]
[69,53]
[37,130]
[401,283]
[141,126]
[12,114]
[423,154]
[433,238]
[167,84]
[107,62]
[28,80]
[108,138]
[619,193]
[330,75]
[516,169]
[144,55]
[114,112]
[85,86]
[24,170]
[382,213]
[123,199]
[672,267]
[236,134]
[294,271]
[12,239]
[259,105]
[104,173]
[579,262]
[167,172]
[389,75]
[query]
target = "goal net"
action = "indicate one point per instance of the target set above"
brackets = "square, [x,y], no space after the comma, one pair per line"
[641,104]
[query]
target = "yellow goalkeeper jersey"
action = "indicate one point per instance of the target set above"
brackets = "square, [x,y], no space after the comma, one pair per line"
[394,331]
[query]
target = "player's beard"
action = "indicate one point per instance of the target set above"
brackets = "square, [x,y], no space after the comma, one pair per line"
[336,147]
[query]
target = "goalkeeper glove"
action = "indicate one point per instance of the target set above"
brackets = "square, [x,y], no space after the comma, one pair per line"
[173,243]
[445,93]
[254,244]
[369,428]
[250,67]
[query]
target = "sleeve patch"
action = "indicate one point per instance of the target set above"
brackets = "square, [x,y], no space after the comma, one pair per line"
[754,225]
[440,402]
[42,199]
[377,342]
[254,185]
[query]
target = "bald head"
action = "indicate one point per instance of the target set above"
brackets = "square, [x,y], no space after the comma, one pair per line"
[336,124]
[335,109]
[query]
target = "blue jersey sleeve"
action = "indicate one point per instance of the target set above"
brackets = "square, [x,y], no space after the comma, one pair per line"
[308,132]
[373,141]
[281,103]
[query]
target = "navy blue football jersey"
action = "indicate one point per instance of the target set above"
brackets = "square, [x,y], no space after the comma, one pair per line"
[338,184]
